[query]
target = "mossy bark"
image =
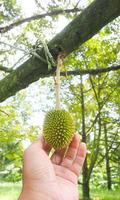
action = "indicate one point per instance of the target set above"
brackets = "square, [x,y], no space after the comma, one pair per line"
[83,27]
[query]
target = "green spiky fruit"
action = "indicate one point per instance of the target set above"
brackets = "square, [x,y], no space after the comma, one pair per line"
[58,128]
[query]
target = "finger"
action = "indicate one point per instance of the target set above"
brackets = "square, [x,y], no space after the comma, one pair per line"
[58,156]
[79,160]
[71,152]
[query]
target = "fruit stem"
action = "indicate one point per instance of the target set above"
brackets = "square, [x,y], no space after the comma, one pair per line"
[57,82]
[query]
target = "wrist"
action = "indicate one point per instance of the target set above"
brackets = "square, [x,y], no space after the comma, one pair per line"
[34,195]
[25,195]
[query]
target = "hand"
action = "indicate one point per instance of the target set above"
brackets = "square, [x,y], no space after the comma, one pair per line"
[52,178]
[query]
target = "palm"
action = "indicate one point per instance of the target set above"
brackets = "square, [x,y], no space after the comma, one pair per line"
[58,174]
[67,188]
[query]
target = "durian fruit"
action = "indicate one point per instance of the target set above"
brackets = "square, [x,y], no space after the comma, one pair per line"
[58,128]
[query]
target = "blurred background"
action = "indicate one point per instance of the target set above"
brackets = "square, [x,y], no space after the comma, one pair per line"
[93,99]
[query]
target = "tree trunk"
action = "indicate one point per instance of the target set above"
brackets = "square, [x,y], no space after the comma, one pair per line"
[82,28]
[85,186]
[108,170]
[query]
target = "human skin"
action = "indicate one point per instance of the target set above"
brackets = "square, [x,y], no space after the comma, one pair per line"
[54,178]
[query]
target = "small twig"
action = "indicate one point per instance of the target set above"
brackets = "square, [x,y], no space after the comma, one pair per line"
[77,4]
[31,52]
[39,4]
[19,60]
[5,69]
[4,112]
[14,47]
[101,107]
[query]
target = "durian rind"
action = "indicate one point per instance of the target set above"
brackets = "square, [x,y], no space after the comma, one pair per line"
[58,128]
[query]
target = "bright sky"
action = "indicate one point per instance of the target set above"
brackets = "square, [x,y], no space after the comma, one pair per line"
[28,7]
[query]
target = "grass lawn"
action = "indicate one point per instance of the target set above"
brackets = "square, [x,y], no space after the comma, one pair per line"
[102,194]
[11,191]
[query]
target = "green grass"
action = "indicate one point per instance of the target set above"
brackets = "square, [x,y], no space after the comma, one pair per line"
[11,191]
[102,194]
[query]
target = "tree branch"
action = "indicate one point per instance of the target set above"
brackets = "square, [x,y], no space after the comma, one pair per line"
[92,72]
[37,17]
[83,27]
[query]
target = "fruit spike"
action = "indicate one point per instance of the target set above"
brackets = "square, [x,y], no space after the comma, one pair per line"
[58,128]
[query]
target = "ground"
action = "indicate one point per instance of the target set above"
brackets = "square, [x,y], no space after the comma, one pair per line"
[11,191]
